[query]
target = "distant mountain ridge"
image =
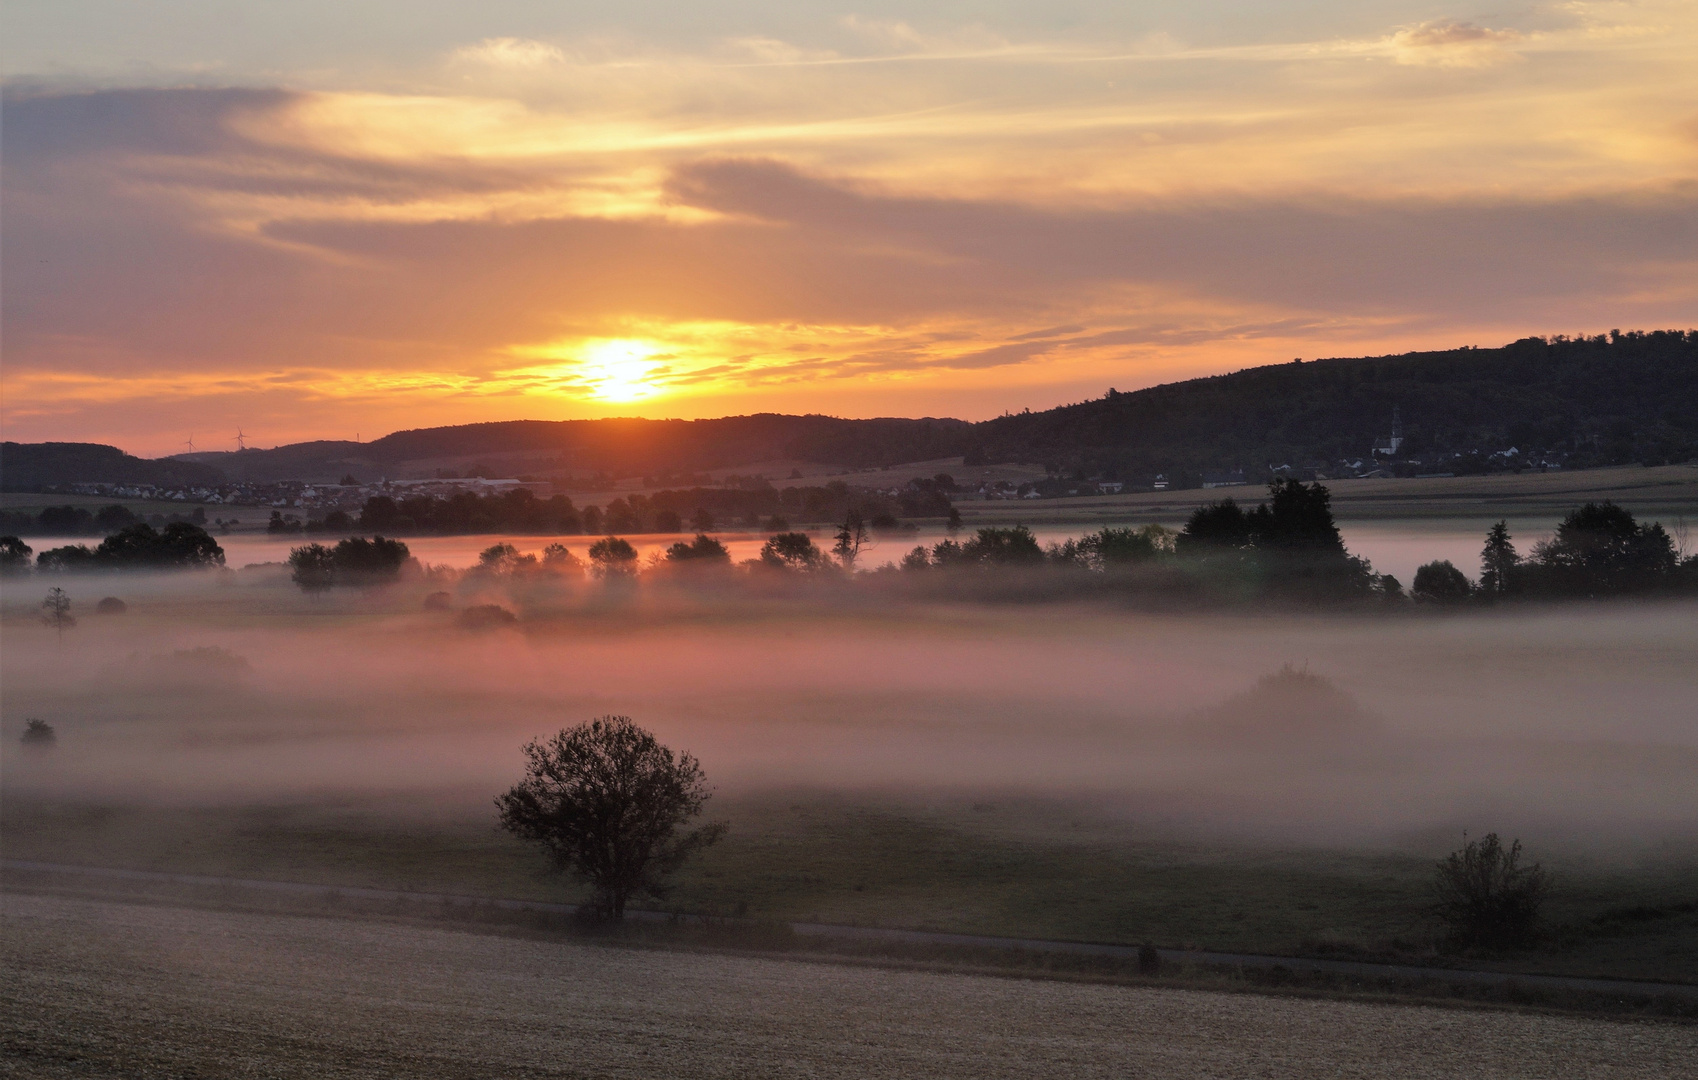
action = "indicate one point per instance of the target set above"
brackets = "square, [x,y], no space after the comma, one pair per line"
[1603,400]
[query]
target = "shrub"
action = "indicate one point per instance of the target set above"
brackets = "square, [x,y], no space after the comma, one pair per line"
[1486,898]
[38,734]
[438,601]
[110,605]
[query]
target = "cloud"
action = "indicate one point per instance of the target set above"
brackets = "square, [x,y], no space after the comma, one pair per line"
[1450,43]
[1007,224]
[508,52]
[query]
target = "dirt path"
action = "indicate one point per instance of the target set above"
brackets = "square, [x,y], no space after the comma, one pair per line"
[104,988]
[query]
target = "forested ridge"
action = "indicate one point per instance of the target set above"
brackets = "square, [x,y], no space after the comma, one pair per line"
[1607,399]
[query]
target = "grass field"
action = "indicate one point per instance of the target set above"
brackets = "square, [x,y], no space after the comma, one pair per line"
[101,988]
[1663,491]
[1035,869]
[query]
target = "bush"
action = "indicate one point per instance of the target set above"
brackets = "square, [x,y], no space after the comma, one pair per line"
[110,605]
[438,601]
[38,734]
[1486,898]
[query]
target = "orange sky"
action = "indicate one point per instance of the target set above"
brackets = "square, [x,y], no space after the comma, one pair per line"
[352,220]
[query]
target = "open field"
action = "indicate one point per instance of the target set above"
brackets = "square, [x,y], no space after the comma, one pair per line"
[97,985]
[1053,871]
[1662,491]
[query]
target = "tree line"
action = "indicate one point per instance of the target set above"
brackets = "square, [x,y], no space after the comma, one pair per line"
[759,504]
[180,545]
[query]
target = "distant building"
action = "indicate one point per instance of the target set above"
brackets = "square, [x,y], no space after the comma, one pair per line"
[1110,487]
[1161,483]
[1389,447]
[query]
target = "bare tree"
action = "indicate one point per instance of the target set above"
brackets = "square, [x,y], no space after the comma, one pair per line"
[609,804]
[56,611]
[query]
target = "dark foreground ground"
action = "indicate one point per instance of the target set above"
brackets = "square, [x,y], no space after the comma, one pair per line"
[104,987]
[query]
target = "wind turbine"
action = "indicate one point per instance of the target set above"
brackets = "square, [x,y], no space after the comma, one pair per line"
[241,443]
[190,443]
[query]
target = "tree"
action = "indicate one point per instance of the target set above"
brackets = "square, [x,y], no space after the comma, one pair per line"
[1004,547]
[1218,527]
[560,560]
[14,555]
[1498,560]
[1600,549]
[851,535]
[668,521]
[1485,897]
[1441,582]
[353,561]
[614,559]
[703,520]
[56,611]
[610,804]
[703,550]
[1389,588]
[954,523]
[312,567]
[791,551]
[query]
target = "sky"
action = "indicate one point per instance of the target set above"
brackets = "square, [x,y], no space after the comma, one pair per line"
[310,219]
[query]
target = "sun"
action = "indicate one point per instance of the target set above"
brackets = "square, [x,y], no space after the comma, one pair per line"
[619,369]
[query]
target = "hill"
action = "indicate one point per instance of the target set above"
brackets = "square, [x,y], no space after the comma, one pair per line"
[32,466]
[1587,401]
[1596,401]
[617,447]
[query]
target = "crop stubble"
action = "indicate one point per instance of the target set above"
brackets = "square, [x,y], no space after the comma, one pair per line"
[97,987]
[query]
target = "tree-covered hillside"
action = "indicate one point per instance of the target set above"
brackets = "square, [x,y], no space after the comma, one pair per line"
[1602,400]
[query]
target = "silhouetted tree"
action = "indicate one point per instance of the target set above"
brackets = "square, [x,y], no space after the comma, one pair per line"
[1218,527]
[557,558]
[851,535]
[613,558]
[791,551]
[610,804]
[1004,547]
[1441,582]
[1498,560]
[1485,897]
[703,550]
[14,555]
[954,523]
[312,567]
[1600,549]
[56,611]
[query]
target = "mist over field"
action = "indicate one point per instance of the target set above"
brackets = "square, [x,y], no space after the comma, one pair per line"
[1576,725]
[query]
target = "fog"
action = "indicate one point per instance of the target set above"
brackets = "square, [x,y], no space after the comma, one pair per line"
[1575,723]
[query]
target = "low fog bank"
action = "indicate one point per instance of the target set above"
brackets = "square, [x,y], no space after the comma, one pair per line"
[1573,722]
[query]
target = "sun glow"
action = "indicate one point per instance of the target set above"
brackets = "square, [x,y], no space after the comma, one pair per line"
[619,370]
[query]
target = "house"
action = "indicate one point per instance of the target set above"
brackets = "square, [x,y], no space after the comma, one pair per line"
[1110,487]
[1161,483]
